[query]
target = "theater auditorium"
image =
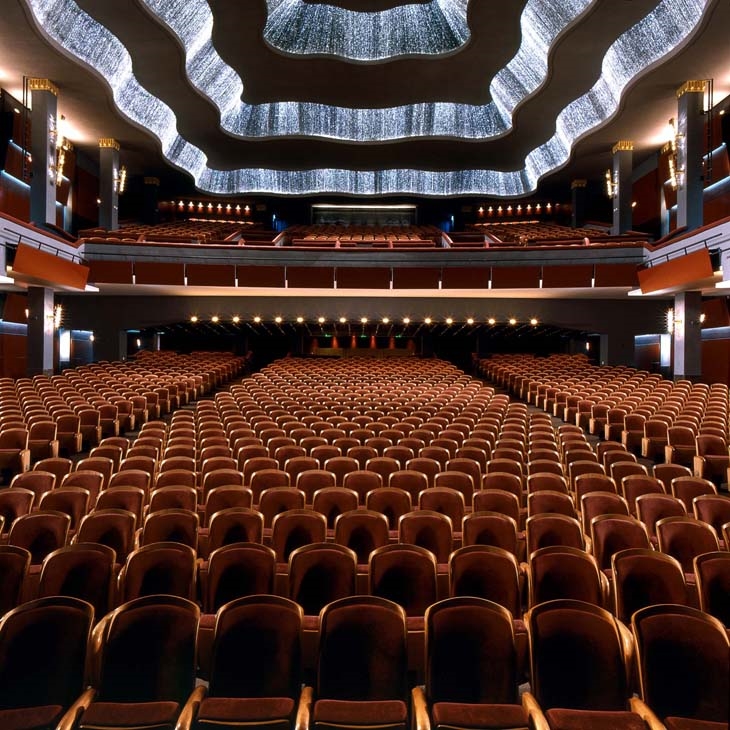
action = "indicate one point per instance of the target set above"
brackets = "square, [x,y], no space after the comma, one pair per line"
[364,364]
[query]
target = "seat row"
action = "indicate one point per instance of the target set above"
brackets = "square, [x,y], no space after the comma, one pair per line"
[142,667]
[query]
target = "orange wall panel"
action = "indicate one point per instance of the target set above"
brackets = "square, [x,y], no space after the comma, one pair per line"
[211,275]
[47,267]
[687,269]
[515,277]
[363,277]
[420,278]
[110,272]
[716,361]
[616,275]
[570,277]
[155,272]
[260,276]
[466,278]
[310,277]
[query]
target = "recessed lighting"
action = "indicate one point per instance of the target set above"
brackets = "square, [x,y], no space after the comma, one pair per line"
[364,320]
[278,320]
[491,320]
[427,320]
[343,320]
[470,320]
[321,320]
[236,319]
[533,321]
[193,318]
[512,321]
[449,320]
[406,320]
[386,320]
[257,319]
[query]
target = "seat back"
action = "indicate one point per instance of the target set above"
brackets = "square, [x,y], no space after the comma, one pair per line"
[43,645]
[470,652]
[362,650]
[147,650]
[267,628]
[682,659]
[577,657]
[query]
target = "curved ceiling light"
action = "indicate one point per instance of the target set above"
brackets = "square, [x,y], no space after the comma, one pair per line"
[542,22]
[667,27]
[432,29]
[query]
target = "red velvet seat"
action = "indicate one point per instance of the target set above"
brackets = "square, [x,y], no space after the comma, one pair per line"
[260,693]
[471,668]
[361,674]
[683,666]
[145,670]
[43,647]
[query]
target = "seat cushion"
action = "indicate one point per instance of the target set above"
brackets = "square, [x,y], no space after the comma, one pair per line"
[31,718]
[485,717]
[593,720]
[215,712]
[685,723]
[147,715]
[385,714]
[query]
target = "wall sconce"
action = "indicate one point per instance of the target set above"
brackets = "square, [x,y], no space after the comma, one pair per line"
[676,172]
[611,184]
[120,180]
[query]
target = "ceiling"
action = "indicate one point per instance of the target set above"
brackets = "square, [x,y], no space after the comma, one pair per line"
[429,97]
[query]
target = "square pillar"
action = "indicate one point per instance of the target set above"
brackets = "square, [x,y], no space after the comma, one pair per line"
[41,328]
[44,133]
[690,151]
[622,168]
[578,201]
[687,335]
[109,184]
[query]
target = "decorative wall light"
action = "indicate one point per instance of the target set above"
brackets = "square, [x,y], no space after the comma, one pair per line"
[120,180]
[676,171]
[611,184]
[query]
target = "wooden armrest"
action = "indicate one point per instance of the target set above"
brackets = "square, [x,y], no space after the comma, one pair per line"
[190,711]
[72,715]
[304,710]
[420,717]
[642,709]
[537,719]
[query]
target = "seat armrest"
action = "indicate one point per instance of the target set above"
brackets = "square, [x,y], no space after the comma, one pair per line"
[189,713]
[304,710]
[72,715]
[420,719]
[535,715]
[698,466]
[647,715]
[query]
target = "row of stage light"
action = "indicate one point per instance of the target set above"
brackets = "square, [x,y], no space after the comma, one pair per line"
[364,320]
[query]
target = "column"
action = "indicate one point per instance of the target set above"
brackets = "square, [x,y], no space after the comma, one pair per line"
[150,212]
[40,331]
[109,184]
[621,169]
[690,149]
[44,132]
[578,201]
[687,335]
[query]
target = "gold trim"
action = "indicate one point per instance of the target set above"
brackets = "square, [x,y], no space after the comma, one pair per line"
[109,143]
[668,147]
[623,145]
[692,87]
[578,184]
[152,181]
[43,85]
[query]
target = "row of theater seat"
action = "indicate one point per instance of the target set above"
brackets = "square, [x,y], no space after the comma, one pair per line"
[141,667]
[302,390]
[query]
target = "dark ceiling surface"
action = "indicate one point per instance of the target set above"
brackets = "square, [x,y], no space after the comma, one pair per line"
[458,76]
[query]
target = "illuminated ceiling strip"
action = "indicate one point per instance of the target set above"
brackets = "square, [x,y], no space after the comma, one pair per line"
[301,28]
[669,25]
[542,22]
